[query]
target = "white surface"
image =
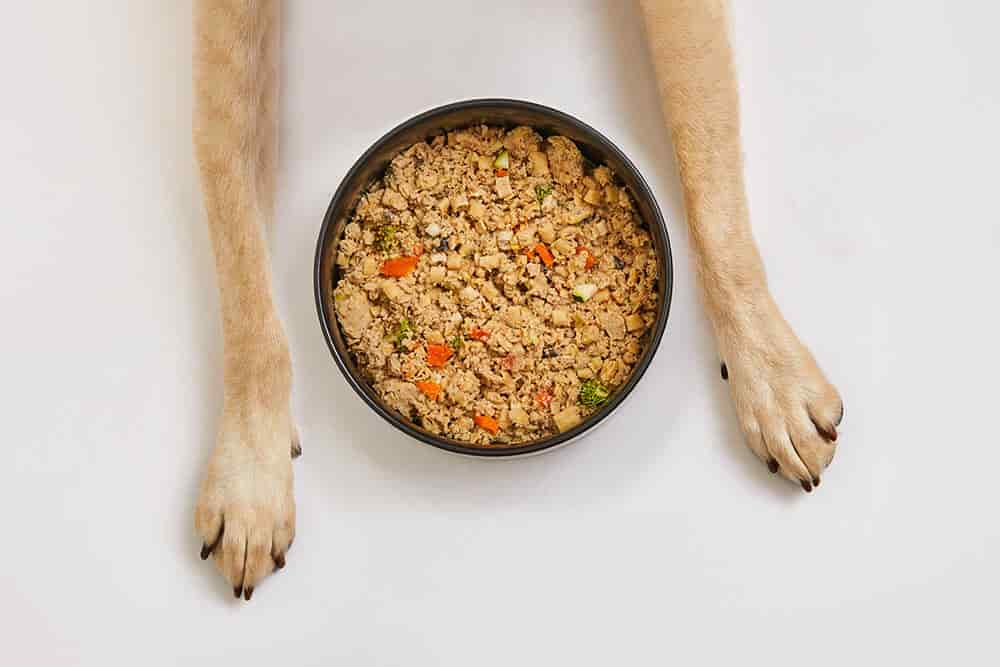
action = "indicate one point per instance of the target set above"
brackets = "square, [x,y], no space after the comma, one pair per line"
[871,141]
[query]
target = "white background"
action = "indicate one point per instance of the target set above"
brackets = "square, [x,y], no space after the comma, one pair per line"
[871,140]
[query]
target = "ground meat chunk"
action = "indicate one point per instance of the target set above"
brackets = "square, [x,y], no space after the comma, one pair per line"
[565,160]
[521,141]
[463,388]
[613,323]
[353,309]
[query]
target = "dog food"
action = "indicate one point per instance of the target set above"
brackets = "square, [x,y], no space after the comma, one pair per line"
[494,287]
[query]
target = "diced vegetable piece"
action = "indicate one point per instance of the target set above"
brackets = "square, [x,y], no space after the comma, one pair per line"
[399,266]
[487,423]
[634,322]
[543,191]
[539,163]
[490,261]
[591,260]
[479,334]
[476,209]
[385,237]
[503,189]
[579,214]
[519,415]
[430,389]
[457,343]
[502,161]
[392,291]
[564,246]
[544,253]
[438,355]
[436,274]
[584,291]
[593,197]
[593,393]
[509,362]
[567,419]
[547,232]
[402,333]
[543,398]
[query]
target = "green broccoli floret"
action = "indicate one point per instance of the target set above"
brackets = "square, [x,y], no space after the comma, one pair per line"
[593,393]
[402,333]
[543,191]
[385,237]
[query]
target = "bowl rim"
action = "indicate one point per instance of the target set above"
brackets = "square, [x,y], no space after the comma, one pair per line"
[656,225]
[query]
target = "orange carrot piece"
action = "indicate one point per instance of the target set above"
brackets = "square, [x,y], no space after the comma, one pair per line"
[437,355]
[543,398]
[399,266]
[544,253]
[431,389]
[479,334]
[487,423]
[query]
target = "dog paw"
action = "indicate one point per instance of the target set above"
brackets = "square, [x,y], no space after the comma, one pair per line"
[245,514]
[788,410]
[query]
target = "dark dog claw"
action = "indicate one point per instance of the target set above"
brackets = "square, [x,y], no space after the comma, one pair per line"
[207,549]
[725,371]
[772,465]
[248,593]
[806,486]
[279,561]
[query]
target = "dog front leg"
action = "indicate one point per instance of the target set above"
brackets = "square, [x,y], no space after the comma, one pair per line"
[246,511]
[787,409]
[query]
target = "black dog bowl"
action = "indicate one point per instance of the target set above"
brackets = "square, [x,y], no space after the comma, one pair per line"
[508,113]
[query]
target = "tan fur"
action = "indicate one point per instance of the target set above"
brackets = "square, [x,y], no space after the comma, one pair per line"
[246,510]
[246,496]
[783,400]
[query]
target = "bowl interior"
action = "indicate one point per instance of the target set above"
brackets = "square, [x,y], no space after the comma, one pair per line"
[507,113]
